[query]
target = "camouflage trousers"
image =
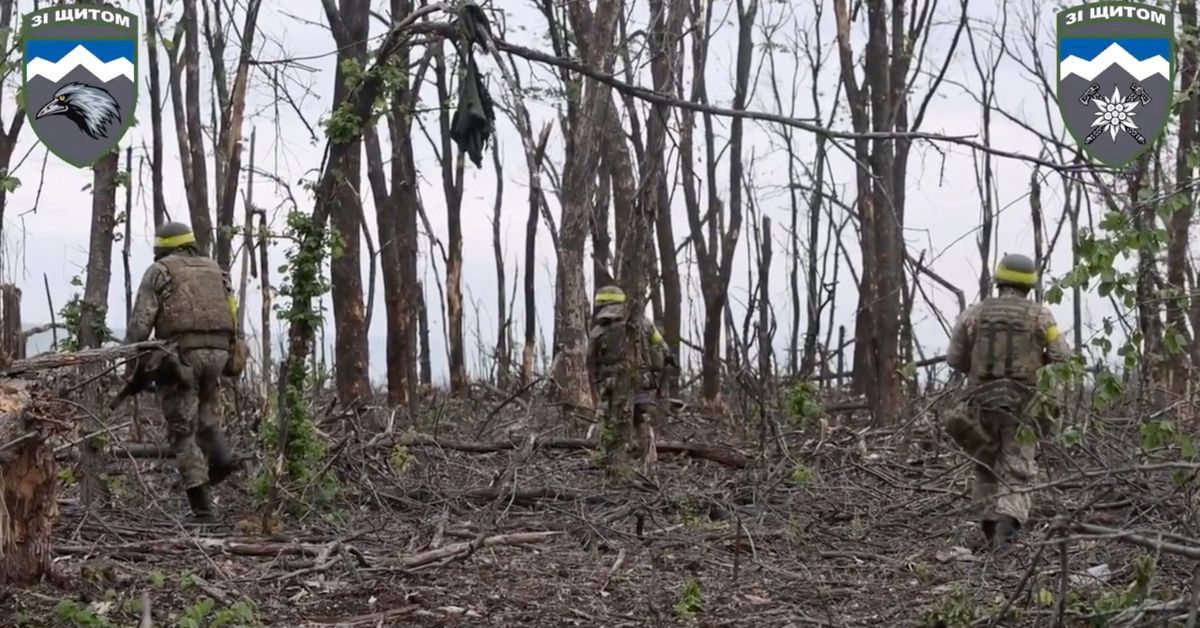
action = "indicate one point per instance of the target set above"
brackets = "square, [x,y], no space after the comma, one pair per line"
[1004,468]
[191,407]
[614,428]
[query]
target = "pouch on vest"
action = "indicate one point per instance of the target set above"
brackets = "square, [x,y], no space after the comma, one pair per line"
[1006,344]
[239,351]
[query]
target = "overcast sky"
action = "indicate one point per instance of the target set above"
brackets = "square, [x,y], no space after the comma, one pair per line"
[47,222]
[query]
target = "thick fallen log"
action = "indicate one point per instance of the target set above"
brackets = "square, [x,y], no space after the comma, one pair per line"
[47,361]
[726,456]
[28,486]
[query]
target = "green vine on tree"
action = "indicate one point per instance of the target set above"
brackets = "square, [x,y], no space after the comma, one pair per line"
[304,284]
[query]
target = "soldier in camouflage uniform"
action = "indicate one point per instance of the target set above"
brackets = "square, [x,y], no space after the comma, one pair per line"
[607,352]
[1000,343]
[186,299]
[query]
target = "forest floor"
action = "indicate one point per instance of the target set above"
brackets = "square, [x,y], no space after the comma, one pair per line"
[844,529]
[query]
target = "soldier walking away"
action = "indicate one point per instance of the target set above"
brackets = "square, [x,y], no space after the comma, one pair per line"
[1000,343]
[187,301]
[606,357]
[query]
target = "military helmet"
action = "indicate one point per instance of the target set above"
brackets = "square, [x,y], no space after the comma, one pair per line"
[1016,270]
[172,236]
[608,295]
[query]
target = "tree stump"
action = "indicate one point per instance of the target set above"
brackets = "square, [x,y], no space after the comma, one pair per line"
[12,337]
[28,486]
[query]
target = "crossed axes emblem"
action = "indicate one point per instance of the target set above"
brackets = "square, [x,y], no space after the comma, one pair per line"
[1136,94]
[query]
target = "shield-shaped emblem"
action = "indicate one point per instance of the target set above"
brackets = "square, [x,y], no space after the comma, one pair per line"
[1116,77]
[80,78]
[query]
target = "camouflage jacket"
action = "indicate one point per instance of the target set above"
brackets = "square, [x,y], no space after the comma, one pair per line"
[156,290]
[1053,346]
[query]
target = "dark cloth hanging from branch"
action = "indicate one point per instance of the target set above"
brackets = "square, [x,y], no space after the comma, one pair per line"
[474,119]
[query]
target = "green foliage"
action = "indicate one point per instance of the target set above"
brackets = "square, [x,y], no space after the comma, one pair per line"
[205,614]
[690,601]
[303,286]
[9,183]
[802,403]
[156,579]
[72,315]
[401,459]
[66,477]
[955,610]
[801,475]
[1099,608]
[73,613]
[343,125]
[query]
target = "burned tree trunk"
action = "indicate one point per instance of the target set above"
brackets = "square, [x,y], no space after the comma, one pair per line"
[12,335]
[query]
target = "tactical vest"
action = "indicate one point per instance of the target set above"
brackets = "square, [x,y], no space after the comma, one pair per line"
[194,299]
[608,332]
[1007,346]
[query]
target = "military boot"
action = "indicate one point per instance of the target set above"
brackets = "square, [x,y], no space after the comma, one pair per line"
[201,505]
[1006,530]
[220,461]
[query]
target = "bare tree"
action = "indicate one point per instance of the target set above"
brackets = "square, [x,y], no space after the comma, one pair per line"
[8,138]
[714,254]
[191,135]
[452,163]
[230,145]
[579,183]
[503,322]
[350,27]
[156,104]
[1181,217]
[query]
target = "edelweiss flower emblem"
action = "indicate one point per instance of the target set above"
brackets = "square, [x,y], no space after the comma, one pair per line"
[1114,114]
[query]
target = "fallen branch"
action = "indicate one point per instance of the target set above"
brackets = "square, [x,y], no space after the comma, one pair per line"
[1138,539]
[247,546]
[518,496]
[41,329]
[464,550]
[725,456]
[76,358]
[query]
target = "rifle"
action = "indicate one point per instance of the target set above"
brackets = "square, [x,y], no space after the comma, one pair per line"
[143,378]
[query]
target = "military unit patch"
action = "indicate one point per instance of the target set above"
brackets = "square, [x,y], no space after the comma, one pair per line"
[80,78]
[1116,77]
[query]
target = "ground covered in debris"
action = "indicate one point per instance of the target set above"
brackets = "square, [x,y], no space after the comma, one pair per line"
[837,524]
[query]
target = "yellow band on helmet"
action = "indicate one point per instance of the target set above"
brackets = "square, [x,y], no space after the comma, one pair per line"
[171,242]
[1052,333]
[1016,276]
[606,298]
